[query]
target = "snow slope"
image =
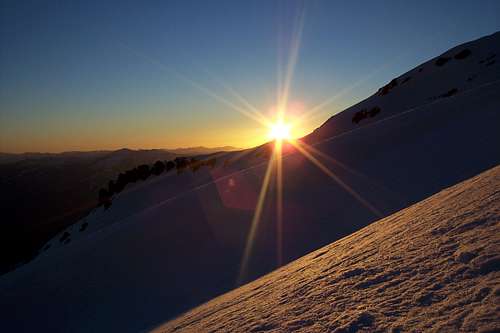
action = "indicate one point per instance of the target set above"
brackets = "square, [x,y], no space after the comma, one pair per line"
[425,84]
[432,267]
[175,241]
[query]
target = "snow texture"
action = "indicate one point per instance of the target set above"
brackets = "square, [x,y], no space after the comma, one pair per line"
[432,267]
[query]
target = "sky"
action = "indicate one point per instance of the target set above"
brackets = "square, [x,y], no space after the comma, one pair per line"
[95,75]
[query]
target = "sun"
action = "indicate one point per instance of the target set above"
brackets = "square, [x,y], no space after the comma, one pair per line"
[279,131]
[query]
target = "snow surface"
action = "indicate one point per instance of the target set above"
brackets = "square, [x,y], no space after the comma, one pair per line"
[434,266]
[176,241]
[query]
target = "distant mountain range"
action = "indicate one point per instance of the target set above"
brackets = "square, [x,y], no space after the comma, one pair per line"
[200,150]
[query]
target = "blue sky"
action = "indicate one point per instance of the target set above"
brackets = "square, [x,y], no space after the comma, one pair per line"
[104,75]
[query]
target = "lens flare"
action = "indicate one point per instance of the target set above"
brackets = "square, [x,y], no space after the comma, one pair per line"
[279,124]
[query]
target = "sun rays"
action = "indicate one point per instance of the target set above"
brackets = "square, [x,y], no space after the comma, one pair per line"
[275,164]
[256,217]
[280,126]
[280,132]
[306,150]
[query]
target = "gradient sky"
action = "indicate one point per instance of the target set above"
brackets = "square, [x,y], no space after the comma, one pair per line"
[88,75]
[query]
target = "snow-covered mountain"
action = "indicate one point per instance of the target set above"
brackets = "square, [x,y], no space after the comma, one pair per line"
[175,241]
[432,267]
